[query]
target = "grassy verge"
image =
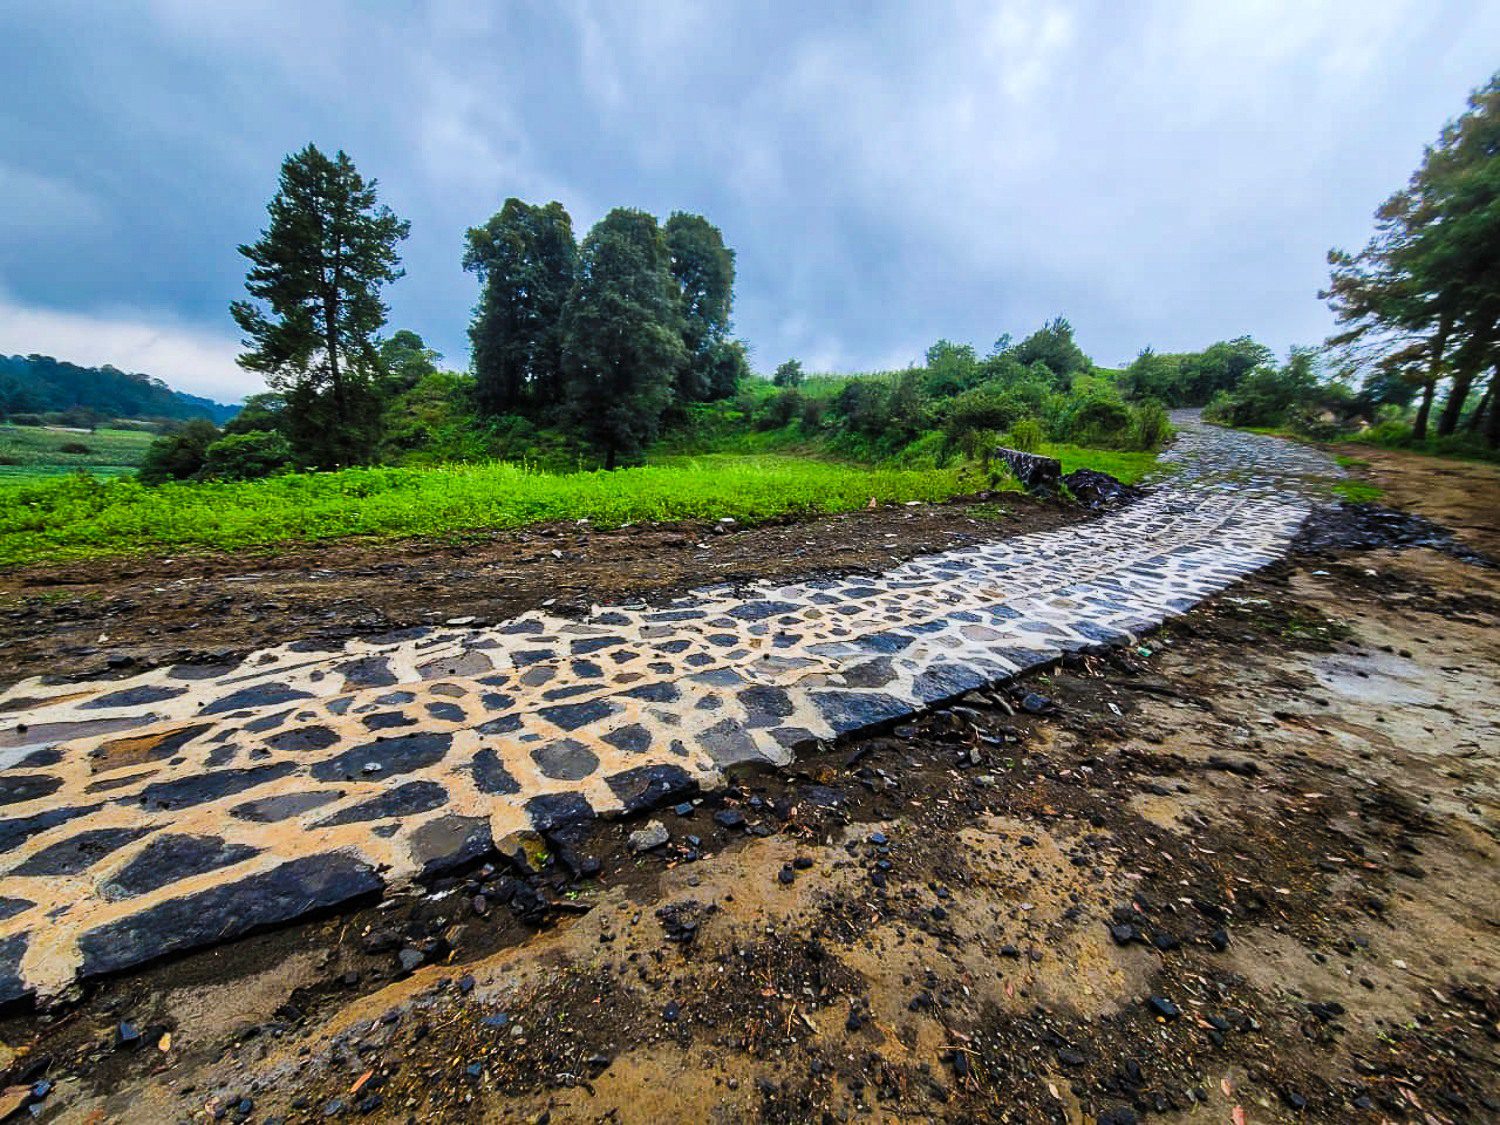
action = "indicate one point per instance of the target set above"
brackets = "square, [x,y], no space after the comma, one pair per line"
[28,452]
[80,517]
[1358,491]
[1127,467]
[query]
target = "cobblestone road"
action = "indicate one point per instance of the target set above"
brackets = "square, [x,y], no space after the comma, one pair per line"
[192,803]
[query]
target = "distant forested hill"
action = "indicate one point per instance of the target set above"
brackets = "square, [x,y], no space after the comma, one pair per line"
[39,384]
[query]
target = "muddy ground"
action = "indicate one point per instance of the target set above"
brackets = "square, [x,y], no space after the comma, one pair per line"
[1244,869]
[86,618]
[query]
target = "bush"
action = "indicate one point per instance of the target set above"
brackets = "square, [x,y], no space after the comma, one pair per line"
[247,456]
[1094,417]
[813,411]
[782,409]
[1153,429]
[74,447]
[1026,435]
[179,455]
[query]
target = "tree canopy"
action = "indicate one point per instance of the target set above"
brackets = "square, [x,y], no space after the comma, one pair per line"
[525,257]
[622,334]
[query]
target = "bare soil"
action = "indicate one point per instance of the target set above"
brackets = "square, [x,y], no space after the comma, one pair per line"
[1240,870]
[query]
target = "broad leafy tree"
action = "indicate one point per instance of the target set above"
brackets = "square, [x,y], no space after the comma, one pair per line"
[526,258]
[622,335]
[704,270]
[315,280]
[405,360]
[1053,345]
[789,374]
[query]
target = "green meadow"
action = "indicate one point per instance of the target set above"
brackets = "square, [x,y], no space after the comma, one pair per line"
[45,451]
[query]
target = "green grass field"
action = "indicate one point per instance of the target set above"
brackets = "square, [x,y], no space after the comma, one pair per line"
[79,517]
[28,452]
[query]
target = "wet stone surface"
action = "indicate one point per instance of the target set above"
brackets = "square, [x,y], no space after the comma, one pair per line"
[155,814]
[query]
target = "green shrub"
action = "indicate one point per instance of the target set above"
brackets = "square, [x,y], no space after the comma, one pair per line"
[1153,429]
[76,447]
[1026,435]
[179,455]
[247,456]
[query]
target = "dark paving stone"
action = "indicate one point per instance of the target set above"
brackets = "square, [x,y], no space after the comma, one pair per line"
[296,888]
[285,806]
[760,610]
[505,724]
[393,756]
[491,776]
[571,716]
[135,697]
[187,791]
[565,760]
[632,739]
[885,642]
[446,712]
[396,636]
[870,674]
[265,722]
[654,693]
[262,695]
[12,987]
[553,811]
[302,740]
[10,907]
[594,644]
[201,671]
[792,737]
[404,800]
[27,787]
[944,680]
[388,720]
[727,742]
[38,759]
[369,671]
[19,829]
[765,706]
[851,710]
[467,664]
[77,853]
[650,787]
[450,841]
[170,858]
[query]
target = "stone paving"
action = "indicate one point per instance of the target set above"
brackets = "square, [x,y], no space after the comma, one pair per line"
[190,804]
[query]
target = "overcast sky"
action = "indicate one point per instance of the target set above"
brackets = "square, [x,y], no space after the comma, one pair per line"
[1163,174]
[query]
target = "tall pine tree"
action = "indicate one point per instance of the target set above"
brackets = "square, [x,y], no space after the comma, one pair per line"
[622,335]
[318,268]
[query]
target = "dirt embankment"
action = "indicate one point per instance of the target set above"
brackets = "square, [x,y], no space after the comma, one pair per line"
[1460,495]
[1245,867]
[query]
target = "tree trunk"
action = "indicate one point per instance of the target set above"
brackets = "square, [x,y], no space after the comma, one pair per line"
[1454,407]
[1486,403]
[1419,427]
[1492,425]
[609,458]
